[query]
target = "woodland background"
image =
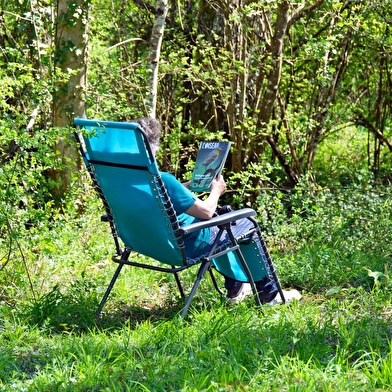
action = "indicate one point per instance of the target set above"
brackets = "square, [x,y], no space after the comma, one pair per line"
[301,88]
[279,79]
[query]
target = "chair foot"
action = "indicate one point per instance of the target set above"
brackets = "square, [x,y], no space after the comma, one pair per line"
[202,270]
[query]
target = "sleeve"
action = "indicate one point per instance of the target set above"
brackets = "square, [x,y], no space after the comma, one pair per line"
[181,197]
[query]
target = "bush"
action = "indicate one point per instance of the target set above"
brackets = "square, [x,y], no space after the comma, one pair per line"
[331,237]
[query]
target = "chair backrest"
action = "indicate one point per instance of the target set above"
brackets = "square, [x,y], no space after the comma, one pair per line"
[119,157]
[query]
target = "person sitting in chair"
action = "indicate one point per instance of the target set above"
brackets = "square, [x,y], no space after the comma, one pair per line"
[190,208]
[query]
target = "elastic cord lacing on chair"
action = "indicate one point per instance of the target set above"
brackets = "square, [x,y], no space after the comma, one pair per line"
[168,205]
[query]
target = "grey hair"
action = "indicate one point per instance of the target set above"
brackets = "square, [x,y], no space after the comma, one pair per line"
[153,129]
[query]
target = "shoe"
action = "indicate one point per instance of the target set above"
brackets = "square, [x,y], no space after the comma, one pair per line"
[238,293]
[289,296]
[267,290]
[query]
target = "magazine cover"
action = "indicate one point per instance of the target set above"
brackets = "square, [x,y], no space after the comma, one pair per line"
[210,160]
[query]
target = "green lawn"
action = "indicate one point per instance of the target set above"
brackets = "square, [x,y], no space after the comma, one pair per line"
[326,344]
[337,338]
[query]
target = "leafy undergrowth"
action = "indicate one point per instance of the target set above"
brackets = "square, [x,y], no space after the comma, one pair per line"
[337,338]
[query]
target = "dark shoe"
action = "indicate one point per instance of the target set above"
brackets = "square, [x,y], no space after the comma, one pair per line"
[238,293]
[267,290]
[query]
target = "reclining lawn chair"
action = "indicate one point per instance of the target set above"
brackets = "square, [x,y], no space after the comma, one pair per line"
[124,171]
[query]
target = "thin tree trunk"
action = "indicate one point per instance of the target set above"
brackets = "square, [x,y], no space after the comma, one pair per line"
[325,98]
[271,93]
[274,76]
[155,50]
[235,109]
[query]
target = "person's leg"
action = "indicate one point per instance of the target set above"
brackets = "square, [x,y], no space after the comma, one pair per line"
[267,290]
[230,283]
[236,291]
[266,287]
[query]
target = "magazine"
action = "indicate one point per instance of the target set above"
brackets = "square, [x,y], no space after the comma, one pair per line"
[210,160]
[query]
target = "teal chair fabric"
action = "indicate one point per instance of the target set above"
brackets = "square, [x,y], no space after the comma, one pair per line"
[230,265]
[125,173]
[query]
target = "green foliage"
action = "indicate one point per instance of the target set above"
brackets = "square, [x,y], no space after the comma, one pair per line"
[329,236]
[118,71]
[336,236]
[26,157]
[58,311]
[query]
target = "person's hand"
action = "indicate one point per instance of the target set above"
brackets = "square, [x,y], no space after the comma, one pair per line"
[205,209]
[218,185]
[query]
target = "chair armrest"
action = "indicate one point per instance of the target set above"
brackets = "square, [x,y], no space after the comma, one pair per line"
[218,220]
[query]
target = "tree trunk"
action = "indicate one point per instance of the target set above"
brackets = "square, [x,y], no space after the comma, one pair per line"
[70,72]
[277,44]
[326,96]
[155,50]
[272,90]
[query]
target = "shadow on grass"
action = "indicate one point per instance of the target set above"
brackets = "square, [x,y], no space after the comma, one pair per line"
[73,310]
[137,314]
[133,314]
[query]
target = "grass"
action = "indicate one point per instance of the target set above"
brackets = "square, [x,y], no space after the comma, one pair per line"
[333,344]
[337,338]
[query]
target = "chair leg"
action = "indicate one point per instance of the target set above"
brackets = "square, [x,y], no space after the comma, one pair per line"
[271,266]
[245,267]
[179,285]
[215,283]
[109,289]
[250,277]
[205,265]
[270,263]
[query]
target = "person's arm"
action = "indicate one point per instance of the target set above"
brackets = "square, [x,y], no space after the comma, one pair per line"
[204,209]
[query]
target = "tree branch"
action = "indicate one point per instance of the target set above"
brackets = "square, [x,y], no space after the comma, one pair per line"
[362,121]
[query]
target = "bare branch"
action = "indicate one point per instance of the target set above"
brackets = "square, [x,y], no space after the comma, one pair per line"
[123,43]
[300,12]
